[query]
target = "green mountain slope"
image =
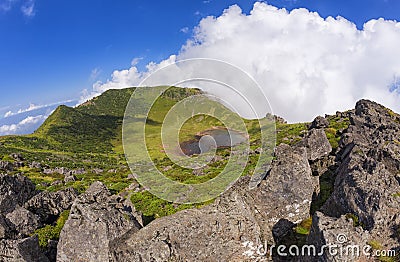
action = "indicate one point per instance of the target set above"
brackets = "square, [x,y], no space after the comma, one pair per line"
[110,103]
[71,130]
[89,137]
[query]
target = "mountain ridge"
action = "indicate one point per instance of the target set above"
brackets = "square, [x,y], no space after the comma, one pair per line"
[69,165]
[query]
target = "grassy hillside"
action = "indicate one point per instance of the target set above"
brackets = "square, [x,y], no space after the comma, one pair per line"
[71,130]
[89,137]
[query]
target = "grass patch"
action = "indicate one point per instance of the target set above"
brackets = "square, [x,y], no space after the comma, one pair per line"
[333,131]
[356,220]
[290,133]
[326,184]
[52,232]
[304,227]
[153,207]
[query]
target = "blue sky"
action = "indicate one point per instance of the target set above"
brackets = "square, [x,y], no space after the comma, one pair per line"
[51,50]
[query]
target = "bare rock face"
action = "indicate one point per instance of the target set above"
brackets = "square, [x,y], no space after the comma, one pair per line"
[215,232]
[6,166]
[25,222]
[317,144]
[49,205]
[319,122]
[224,230]
[339,239]
[14,190]
[22,250]
[288,188]
[7,229]
[69,178]
[367,185]
[96,219]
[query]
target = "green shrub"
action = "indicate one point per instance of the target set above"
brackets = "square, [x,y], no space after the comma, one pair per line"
[304,227]
[52,232]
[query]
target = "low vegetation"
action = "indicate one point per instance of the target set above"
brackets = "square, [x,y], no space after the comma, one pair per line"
[52,232]
[89,138]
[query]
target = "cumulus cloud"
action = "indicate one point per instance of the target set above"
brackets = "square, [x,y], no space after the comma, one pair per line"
[305,64]
[28,8]
[22,125]
[33,107]
[8,114]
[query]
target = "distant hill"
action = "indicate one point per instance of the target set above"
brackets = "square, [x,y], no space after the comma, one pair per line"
[93,126]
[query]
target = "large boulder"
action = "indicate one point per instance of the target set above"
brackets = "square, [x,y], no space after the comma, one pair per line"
[7,229]
[367,185]
[24,221]
[49,205]
[14,190]
[22,250]
[319,122]
[224,230]
[96,219]
[6,166]
[337,239]
[317,144]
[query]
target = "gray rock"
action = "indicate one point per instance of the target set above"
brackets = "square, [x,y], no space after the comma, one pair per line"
[340,234]
[51,251]
[49,205]
[48,171]
[59,170]
[317,144]
[23,250]
[57,183]
[6,166]
[368,177]
[69,178]
[319,122]
[35,164]
[97,170]
[25,222]
[14,190]
[79,171]
[198,172]
[96,219]
[225,230]
[132,176]
[7,229]
[17,157]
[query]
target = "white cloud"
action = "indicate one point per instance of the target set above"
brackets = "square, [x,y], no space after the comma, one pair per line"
[6,5]
[33,107]
[185,30]
[28,8]
[22,125]
[8,114]
[30,108]
[136,61]
[95,73]
[306,65]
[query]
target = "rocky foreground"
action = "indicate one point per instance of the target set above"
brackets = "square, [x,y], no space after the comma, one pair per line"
[362,207]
